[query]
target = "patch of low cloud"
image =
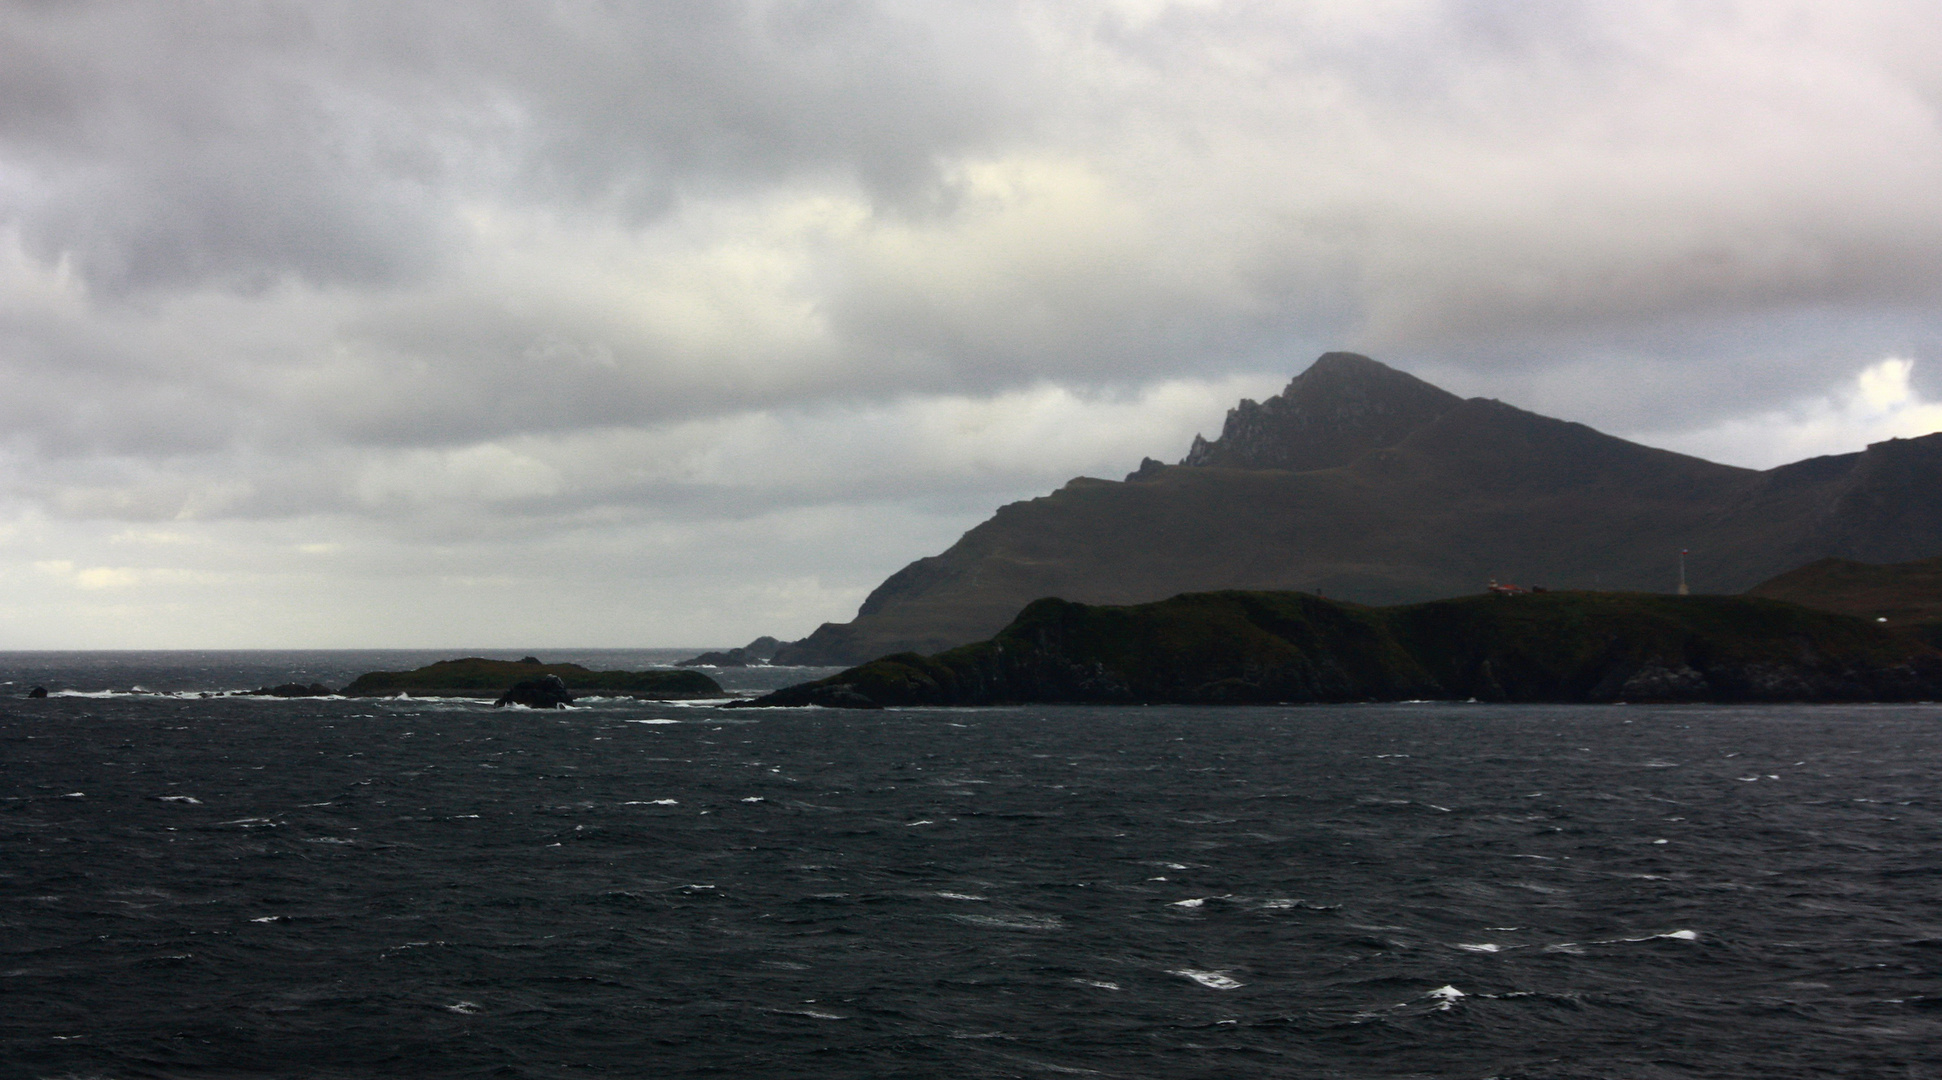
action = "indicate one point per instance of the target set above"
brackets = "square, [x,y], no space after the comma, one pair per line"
[167,146]
[335,581]
[1880,403]
[708,531]
[957,450]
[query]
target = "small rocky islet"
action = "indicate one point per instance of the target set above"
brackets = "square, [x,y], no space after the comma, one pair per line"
[527,681]
[758,652]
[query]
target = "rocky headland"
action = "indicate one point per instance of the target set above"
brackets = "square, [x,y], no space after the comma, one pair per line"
[1237,647]
[1371,485]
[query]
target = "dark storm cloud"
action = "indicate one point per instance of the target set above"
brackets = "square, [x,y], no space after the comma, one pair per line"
[1232,186]
[159,145]
[169,145]
[324,284]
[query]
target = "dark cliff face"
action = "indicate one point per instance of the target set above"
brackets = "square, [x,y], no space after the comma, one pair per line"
[1340,408]
[1371,485]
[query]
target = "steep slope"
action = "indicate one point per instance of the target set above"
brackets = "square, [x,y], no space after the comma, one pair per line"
[1399,493]
[1262,647]
[1343,406]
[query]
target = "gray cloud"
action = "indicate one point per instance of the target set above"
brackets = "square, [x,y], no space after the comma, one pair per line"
[566,281]
[202,142]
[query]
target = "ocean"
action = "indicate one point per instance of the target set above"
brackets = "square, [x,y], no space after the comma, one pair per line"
[224,887]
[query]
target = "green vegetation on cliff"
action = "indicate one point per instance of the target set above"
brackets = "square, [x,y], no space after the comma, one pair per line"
[477,677]
[1586,646]
[1907,594]
[1236,647]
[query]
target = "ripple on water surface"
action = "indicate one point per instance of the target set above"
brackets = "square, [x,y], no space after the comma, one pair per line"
[209,887]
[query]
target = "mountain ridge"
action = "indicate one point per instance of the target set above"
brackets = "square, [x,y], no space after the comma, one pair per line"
[1399,492]
[1344,405]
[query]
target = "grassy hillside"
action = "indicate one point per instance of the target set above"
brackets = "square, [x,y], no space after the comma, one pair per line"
[477,677]
[1234,647]
[1590,646]
[1909,592]
[1229,646]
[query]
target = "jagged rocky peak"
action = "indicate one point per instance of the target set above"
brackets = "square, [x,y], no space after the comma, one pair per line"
[1343,406]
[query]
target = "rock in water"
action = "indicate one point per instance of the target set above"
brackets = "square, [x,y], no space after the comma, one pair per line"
[293,690]
[475,676]
[759,651]
[731,658]
[37,692]
[544,692]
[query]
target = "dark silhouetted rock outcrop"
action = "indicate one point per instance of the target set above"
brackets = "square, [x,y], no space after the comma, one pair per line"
[478,677]
[541,692]
[759,651]
[294,690]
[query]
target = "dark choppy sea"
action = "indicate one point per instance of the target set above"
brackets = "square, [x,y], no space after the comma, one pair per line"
[198,887]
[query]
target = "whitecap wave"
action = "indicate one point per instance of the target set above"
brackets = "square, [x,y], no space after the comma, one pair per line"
[1212,980]
[1013,921]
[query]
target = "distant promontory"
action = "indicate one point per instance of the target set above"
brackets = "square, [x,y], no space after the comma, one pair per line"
[759,651]
[1371,485]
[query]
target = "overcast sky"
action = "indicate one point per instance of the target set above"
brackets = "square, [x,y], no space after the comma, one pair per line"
[528,324]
